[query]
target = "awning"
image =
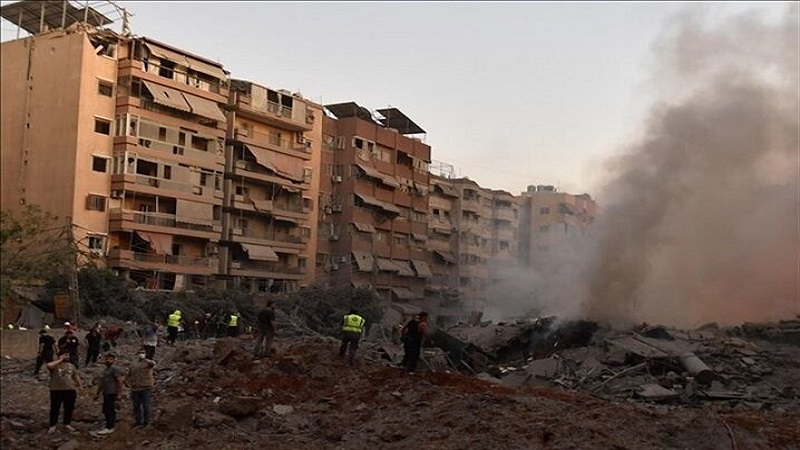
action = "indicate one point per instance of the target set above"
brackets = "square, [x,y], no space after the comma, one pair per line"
[160,243]
[206,68]
[405,268]
[386,265]
[361,284]
[168,97]
[264,206]
[375,202]
[447,190]
[447,256]
[281,165]
[565,208]
[421,188]
[403,293]
[364,227]
[423,271]
[364,261]
[376,174]
[204,107]
[193,212]
[260,252]
[419,237]
[442,229]
[163,53]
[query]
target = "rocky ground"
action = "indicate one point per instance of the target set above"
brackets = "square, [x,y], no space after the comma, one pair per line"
[214,394]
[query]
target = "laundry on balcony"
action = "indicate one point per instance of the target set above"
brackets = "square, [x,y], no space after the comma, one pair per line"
[260,252]
[166,96]
[364,261]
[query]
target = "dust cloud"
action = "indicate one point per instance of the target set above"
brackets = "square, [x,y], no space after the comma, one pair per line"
[699,219]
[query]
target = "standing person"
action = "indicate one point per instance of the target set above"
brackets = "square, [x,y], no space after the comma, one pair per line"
[93,340]
[64,383]
[205,325]
[150,339]
[266,329]
[47,347]
[352,328]
[111,335]
[70,343]
[173,321]
[141,381]
[233,325]
[110,386]
[413,335]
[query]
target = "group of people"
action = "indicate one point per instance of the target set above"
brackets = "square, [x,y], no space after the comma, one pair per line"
[206,325]
[95,340]
[65,383]
[413,335]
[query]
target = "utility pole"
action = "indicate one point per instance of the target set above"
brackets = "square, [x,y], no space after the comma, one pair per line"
[72,247]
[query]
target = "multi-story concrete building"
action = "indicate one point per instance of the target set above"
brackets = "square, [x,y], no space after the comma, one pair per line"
[374,202]
[443,237]
[504,232]
[271,183]
[553,225]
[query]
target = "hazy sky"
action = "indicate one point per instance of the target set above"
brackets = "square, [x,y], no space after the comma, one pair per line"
[510,94]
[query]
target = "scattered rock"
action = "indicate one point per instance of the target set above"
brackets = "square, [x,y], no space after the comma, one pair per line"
[240,407]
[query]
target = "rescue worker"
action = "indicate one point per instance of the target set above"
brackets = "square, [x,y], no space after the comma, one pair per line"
[173,322]
[233,325]
[93,341]
[47,347]
[352,329]
[413,335]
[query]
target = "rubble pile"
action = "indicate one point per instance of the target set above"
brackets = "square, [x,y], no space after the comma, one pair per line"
[533,391]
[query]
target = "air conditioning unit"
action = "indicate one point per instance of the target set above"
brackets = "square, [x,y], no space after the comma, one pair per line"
[336,208]
[116,193]
[337,178]
[344,259]
[334,237]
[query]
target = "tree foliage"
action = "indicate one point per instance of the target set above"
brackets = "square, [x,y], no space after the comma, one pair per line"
[322,308]
[34,246]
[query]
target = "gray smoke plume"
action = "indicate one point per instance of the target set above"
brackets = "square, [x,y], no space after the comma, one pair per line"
[700,220]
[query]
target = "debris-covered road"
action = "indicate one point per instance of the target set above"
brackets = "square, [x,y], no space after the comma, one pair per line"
[214,394]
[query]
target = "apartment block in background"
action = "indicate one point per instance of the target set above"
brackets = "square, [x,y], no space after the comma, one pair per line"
[554,226]
[373,202]
[268,217]
[504,233]
[443,238]
[56,129]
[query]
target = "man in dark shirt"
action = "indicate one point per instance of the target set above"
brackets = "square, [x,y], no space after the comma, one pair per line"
[93,340]
[266,330]
[70,343]
[46,350]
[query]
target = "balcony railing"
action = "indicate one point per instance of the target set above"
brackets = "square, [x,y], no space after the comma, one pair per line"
[161,219]
[268,267]
[278,237]
[271,140]
[156,258]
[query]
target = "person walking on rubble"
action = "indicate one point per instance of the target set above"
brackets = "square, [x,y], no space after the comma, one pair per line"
[70,343]
[110,386]
[352,328]
[47,347]
[413,335]
[173,322]
[141,381]
[150,339]
[266,330]
[64,385]
[93,341]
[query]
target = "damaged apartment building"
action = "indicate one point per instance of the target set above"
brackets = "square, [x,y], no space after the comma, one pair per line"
[374,187]
[178,176]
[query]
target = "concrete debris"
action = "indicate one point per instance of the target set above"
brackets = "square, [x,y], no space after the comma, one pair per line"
[282,409]
[656,392]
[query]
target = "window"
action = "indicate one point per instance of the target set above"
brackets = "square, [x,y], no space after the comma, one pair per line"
[96,243]
[503,245]
[102,126]
[99,164]
[307,173]
[241,190]
[95,202]
[358,143]
[167,172]
[203,179]
[301,263]
[544,210]
[105,88]
[166,68]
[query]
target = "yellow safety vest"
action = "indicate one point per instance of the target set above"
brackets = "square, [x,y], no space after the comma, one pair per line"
[234,320]
[352,323]
[174,320]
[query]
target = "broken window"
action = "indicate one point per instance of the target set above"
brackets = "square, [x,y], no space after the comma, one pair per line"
[96,243]
[102,126]
[199,143]
[99,164]
[166,69]
[162,134]
[403,159]
[358,143]
[95,202]
[105,88]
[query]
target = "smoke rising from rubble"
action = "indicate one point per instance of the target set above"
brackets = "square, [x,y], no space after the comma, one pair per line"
[699,220]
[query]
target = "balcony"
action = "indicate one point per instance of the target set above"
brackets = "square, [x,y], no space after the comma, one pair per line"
[274,142]
[260,269]
[506,215]
[162,263]
[118,218]
[295,119]
[156,186]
